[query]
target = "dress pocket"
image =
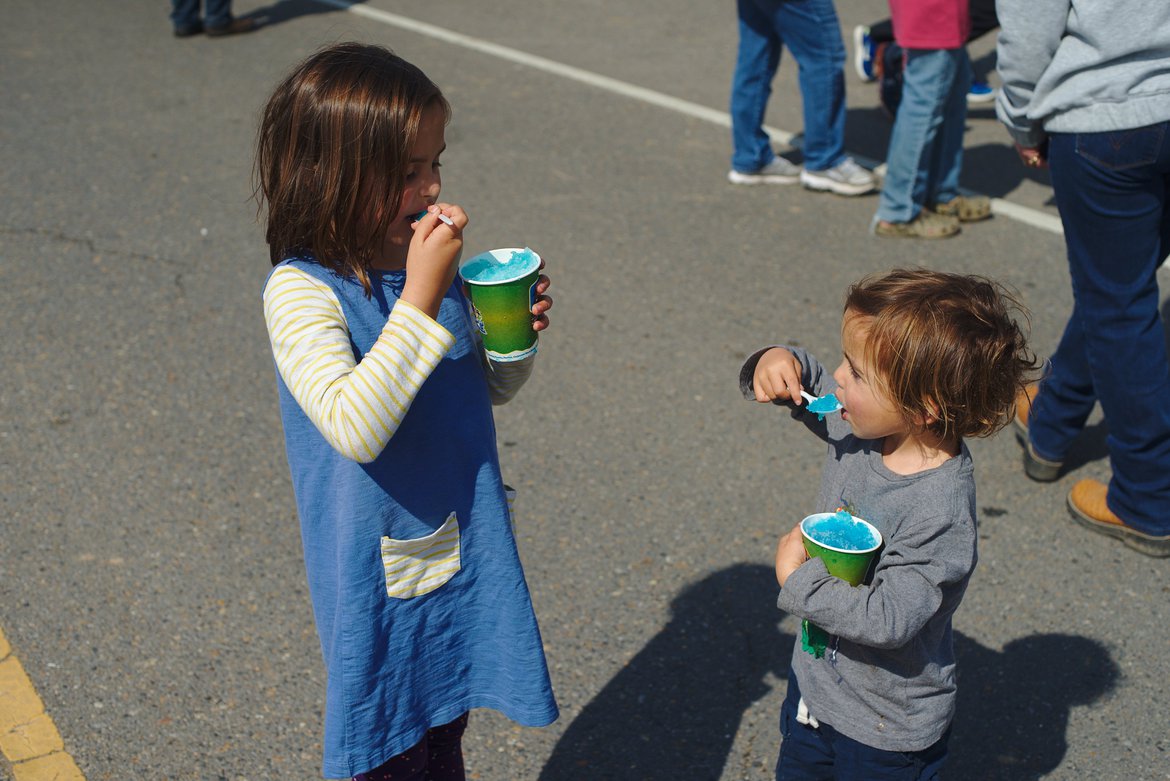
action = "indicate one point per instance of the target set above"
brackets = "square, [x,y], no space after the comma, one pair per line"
[417,567]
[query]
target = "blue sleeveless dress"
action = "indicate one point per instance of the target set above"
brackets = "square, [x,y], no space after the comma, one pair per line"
[418,592]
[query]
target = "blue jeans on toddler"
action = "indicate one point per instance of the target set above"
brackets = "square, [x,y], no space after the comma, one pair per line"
[812,33]
[823,754]
[1113,192]
[926,144]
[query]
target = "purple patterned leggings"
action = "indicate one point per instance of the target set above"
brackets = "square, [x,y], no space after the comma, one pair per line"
[437,757]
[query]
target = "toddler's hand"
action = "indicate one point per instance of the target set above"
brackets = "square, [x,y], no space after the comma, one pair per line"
[433,256]
[790,554]
[777,376]
[543,302]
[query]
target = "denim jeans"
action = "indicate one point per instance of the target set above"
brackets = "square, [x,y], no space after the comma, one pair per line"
[818,753]
[185,13]
[926,144]
[1113,192]
[810,30]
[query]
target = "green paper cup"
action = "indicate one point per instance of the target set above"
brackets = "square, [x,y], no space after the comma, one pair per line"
[502,286]
[847,553]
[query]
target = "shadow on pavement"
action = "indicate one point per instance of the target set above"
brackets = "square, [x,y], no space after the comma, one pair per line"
[284,10]
[674,710]
[1014,705]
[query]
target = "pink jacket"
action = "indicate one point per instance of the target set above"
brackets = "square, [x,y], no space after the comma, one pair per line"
[930,24]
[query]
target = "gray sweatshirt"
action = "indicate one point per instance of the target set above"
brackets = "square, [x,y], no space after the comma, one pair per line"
[1082,66]
[888,677]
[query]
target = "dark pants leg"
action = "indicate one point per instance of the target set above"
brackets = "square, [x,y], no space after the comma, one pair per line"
[823,754]
[1113,191]
[437,757]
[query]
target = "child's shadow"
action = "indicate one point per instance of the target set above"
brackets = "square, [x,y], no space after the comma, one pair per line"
[1014,705]
[674,710]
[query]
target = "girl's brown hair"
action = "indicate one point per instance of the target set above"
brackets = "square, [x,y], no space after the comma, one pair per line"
[332,152]
[946,347]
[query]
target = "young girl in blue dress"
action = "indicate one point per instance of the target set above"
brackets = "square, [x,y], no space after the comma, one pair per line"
[385,395]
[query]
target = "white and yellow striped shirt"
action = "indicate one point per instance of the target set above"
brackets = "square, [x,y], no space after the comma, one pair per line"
[357,406]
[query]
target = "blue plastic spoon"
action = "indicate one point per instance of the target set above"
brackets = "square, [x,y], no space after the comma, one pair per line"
[822,405]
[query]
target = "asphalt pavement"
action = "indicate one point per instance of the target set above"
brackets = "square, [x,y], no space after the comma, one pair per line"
[151,583]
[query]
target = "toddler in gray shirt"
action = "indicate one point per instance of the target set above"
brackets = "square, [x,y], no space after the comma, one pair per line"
[929,359]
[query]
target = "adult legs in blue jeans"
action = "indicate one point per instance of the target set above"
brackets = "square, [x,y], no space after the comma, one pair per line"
[437,757]
[185,13]
[822,753]
[1113,192]
[812,33]
[926,144]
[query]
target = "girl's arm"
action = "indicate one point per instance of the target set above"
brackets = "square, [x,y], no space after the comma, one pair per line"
[356,406]
[505,379]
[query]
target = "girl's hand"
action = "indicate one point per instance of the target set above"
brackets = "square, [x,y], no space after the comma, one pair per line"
[790,554]
[543,302]
[777,376]
[433,256]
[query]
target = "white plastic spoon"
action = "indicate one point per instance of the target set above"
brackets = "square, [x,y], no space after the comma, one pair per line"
[822,405]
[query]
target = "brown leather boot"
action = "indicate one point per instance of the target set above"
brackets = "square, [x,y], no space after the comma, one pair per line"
[1039,469]
[1086,502]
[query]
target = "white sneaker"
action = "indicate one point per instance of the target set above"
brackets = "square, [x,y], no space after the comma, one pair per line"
[779,171]
[845,178]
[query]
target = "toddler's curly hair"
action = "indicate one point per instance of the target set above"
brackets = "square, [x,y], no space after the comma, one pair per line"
[948,348]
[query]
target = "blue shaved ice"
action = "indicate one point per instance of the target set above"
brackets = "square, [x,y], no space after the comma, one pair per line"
[486,268]
[824,405]
[841,531]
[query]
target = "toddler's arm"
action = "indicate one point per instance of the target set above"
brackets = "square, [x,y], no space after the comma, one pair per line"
[917,568]
[777,377]
[790,554]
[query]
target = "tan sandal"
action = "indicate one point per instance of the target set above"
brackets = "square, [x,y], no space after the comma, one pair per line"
[967,208]
[927,225]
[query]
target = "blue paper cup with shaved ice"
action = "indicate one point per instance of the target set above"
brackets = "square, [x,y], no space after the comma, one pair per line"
[501,284]
[847,544]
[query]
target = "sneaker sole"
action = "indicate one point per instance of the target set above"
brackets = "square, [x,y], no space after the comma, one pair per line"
[735,177]
[1150,545]
[895,233]
[858,47]
[979,100]
[840,188]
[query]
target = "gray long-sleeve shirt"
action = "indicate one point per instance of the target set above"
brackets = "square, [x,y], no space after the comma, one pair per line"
[888,679]
[1082,66]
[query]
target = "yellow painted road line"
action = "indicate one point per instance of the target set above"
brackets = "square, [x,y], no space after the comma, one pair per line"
[28,737]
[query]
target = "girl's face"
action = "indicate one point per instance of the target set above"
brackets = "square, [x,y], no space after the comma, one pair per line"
[868,408]
[420,189]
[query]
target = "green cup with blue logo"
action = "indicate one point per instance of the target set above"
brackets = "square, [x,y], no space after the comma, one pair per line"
[847,545]
[501,284]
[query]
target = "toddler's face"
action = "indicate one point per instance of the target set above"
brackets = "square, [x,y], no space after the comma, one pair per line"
[868,408]
[420,189]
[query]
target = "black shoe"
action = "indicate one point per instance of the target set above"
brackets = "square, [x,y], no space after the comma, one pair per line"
[233,27]
[189,30]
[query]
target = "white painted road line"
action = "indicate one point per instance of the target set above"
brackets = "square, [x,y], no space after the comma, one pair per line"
[1024,214]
